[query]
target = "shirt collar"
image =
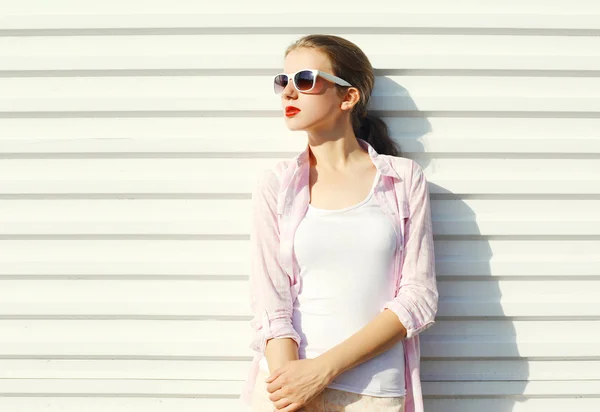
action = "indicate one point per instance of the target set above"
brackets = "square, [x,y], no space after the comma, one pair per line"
[383,163]
[300,171]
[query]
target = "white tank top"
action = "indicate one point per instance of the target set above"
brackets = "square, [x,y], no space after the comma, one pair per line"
[346,260]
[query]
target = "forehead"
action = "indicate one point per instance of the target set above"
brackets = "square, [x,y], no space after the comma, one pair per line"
[305,58]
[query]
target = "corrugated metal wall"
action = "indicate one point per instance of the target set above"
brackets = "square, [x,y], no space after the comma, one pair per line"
[131,134]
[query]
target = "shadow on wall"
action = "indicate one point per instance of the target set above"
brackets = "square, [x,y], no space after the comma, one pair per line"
[470,358]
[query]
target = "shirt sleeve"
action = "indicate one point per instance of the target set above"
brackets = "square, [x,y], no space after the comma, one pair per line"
[416,300]
[270,293]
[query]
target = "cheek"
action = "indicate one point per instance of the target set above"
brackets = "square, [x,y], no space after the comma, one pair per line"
[323,87]
[319,108]
[322,101]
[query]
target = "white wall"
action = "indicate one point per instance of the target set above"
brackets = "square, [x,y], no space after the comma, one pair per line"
[131,134]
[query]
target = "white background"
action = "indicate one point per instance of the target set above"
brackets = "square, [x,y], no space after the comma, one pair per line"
[132,132]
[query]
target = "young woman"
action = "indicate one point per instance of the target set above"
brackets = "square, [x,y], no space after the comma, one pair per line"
[343,275]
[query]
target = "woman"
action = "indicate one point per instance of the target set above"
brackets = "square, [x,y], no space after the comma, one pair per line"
[343,275]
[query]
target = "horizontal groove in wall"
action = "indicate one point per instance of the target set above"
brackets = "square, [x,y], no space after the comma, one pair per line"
[277,114]
[116,72]
[301,31]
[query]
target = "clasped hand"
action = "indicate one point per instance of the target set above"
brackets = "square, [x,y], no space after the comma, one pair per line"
[296,383]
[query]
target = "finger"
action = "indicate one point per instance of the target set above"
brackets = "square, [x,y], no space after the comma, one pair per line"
[282,403]
[291,408]
[274,386]
[274,375]
[277,395]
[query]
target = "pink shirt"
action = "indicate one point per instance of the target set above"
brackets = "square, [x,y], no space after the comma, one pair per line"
[280,201]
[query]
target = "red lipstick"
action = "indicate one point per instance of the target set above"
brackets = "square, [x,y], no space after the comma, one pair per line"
[291,111]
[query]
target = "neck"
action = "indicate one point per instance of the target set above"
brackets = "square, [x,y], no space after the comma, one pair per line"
[335,155]
[334,148]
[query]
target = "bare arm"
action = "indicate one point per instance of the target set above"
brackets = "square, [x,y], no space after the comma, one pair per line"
[280,351]
[374,338]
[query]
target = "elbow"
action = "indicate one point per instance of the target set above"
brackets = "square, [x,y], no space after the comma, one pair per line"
[415,313]
[267,327]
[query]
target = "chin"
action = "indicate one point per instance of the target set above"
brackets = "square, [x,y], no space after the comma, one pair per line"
[293,126]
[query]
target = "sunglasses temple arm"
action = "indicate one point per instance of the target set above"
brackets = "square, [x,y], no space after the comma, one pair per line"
[335,79]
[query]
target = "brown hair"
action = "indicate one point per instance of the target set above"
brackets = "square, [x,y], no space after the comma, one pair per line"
[350,63]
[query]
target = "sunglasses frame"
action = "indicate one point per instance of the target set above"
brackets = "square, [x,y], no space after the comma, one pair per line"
[315,73]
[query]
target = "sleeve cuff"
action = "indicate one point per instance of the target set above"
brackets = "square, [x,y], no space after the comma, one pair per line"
[407,320]
[273,329]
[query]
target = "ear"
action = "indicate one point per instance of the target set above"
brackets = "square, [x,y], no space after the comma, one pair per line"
[351,98]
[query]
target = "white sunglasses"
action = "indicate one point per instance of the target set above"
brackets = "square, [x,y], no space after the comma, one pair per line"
[304,80]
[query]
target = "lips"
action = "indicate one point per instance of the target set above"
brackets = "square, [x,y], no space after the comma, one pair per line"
[291,110]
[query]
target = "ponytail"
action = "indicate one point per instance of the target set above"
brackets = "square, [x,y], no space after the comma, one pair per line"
[374,130]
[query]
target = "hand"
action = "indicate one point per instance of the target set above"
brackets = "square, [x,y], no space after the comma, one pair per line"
[296,383]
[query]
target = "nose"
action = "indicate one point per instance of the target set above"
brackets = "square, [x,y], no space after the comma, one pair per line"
[289,91]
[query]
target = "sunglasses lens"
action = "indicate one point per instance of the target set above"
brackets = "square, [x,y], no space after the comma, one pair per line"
[304,80]
[280,82]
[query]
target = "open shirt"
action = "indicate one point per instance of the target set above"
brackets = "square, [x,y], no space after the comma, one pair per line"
[279,202]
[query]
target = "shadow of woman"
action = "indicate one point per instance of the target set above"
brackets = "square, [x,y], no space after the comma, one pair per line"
[470,359]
